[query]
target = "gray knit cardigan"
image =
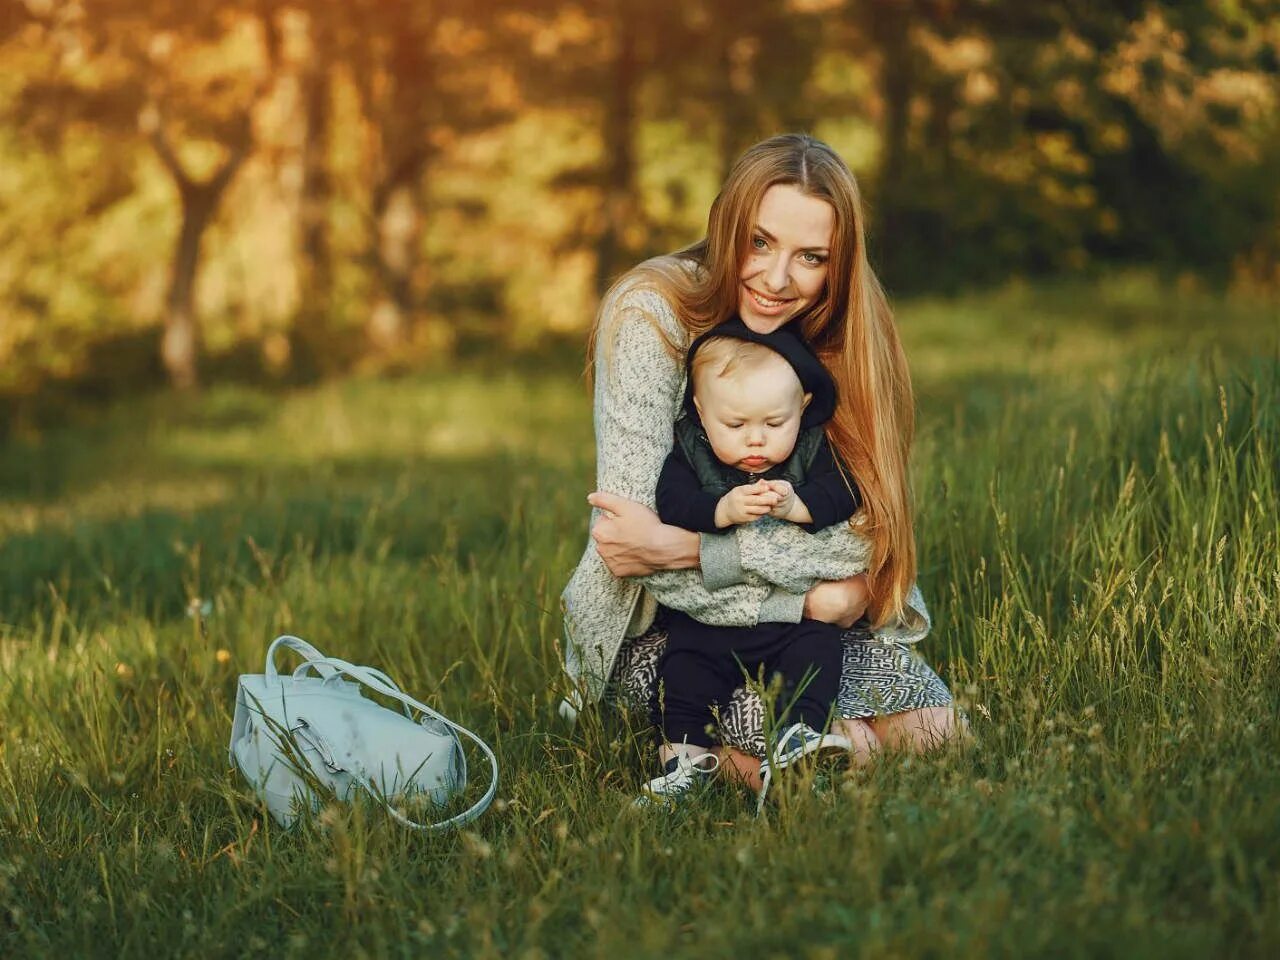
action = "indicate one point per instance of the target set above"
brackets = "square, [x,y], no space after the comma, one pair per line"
[754,573]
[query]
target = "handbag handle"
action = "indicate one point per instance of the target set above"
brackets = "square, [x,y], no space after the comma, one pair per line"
[298,646]
[377,680]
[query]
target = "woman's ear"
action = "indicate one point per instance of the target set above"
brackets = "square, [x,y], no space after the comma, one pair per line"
[805,402]
[697,405]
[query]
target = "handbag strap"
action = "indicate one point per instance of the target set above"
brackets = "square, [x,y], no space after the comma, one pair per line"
[319,665]
[378,681]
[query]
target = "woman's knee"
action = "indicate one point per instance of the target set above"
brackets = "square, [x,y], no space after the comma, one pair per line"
[921,730]
[865,743]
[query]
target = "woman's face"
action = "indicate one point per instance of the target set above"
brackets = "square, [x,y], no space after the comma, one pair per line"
[785,268]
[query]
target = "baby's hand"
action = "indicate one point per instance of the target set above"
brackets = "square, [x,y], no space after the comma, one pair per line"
[744,504]
[786,498]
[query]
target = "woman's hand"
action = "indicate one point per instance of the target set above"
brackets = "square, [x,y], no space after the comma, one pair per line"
[842,602]
[632,541]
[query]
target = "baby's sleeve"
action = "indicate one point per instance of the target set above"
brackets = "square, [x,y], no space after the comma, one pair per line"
[681,501]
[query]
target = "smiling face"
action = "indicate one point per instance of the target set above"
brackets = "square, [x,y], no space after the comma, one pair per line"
[750,408]
[784,271]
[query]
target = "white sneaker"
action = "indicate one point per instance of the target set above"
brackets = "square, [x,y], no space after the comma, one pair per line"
[795,743]
[683,777]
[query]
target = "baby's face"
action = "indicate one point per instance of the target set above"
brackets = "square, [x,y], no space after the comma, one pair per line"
[752,416]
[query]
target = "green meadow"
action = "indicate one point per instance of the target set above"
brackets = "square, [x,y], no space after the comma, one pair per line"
[1099,528]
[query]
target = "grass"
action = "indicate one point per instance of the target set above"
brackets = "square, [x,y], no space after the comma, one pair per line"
[1099,529]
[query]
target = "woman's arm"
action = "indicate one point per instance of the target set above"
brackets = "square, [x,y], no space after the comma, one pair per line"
[785,555]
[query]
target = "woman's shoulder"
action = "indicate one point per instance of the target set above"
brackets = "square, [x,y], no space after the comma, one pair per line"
[648,292]
[656,281]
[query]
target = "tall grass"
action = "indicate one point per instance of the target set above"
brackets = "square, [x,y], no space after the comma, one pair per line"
[1099,531]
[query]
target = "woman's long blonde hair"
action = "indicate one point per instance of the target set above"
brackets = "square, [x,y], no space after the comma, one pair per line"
[850,327]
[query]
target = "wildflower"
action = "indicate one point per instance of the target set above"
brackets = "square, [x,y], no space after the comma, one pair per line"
[222,656]
[477,845]
[124,671]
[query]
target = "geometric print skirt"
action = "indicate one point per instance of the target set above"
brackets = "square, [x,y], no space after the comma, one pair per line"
[877,679]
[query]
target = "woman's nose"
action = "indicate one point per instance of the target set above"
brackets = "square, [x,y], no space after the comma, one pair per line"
[775,274]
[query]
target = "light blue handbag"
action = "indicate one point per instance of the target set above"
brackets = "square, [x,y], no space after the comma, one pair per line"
[295,734]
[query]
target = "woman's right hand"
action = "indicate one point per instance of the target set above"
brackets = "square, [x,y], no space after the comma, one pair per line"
[633,542]
[841,602]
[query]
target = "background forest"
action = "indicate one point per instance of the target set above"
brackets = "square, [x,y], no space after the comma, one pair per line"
[255,189]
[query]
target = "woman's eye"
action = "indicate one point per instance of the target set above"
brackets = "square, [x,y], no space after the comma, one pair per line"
[759,243]
[813,259]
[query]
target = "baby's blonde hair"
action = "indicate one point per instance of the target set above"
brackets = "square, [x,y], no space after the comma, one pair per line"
[726,356]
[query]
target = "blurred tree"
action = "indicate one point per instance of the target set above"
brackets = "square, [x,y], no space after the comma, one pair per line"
[741,71]
[737,72]
[187,80]
[312,331]
[426,76]
[597,57]
[1038,137]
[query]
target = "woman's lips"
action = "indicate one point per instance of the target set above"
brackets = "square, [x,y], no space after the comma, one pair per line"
[768,305]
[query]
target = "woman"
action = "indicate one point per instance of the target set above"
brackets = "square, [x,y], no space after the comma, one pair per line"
[785,244]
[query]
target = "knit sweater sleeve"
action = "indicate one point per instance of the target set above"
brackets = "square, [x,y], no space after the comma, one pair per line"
[638,384]
[785,555]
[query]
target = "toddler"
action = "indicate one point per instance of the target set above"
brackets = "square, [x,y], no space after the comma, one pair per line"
[751,444]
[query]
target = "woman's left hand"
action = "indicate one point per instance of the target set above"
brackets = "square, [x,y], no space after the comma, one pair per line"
[841,602]
[633,542]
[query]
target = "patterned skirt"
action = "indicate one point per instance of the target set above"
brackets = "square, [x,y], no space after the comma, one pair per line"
[878,679]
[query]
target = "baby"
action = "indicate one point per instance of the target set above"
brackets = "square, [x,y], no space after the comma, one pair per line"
[751,444]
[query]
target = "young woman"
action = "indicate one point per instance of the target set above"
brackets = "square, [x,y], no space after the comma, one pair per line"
[785,244]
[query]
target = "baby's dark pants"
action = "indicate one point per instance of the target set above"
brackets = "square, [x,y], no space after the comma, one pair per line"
[703,665]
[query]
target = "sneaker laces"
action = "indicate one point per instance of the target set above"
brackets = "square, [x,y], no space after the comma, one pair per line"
[779,747]
[695,763]
[702,765]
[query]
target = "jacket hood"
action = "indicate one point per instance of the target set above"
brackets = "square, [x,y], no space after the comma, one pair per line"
[814,377]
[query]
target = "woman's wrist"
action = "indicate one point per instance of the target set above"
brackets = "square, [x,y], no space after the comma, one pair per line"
[677,548]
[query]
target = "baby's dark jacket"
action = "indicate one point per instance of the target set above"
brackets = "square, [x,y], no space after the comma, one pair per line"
[693,480]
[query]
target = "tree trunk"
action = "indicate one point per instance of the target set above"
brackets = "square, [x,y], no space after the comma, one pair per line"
[405,119]
[734,84]
[180,345]
[733,101]
[315,274]
[621,209]
[890,25]
[398,226]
